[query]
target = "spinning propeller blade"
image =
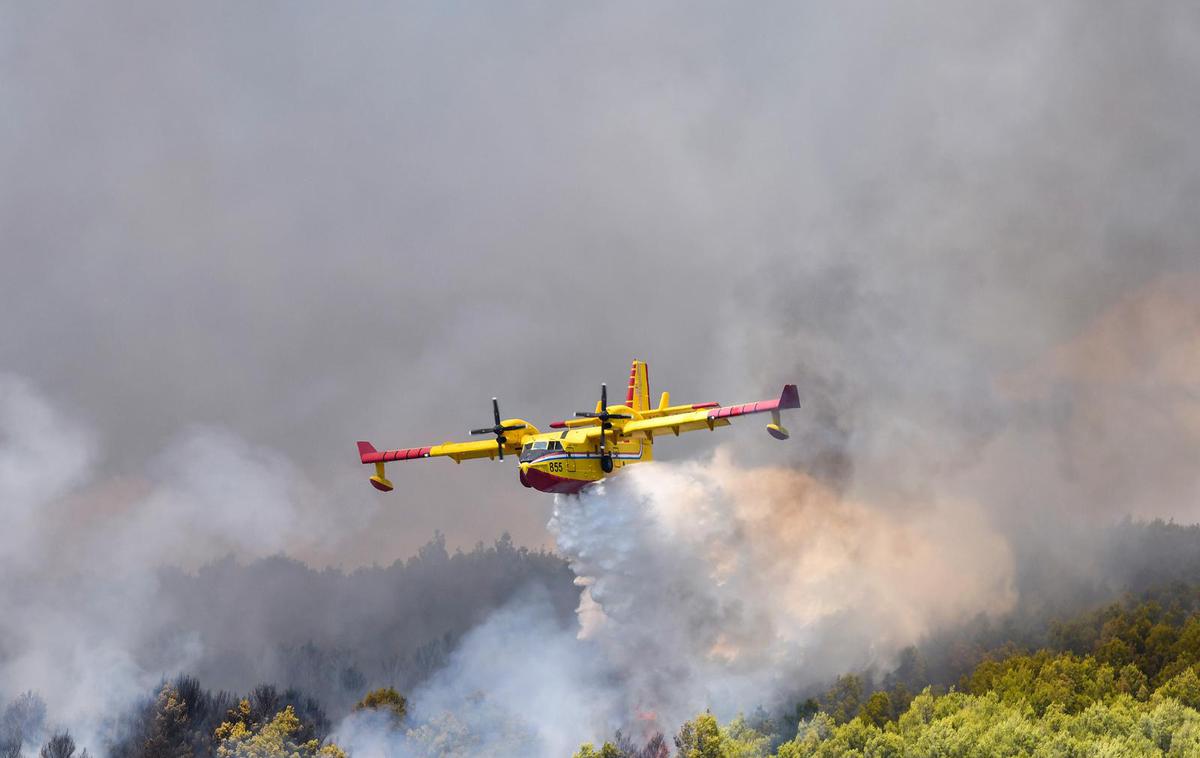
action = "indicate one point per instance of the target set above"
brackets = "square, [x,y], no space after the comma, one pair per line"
[605,424]
[498,429]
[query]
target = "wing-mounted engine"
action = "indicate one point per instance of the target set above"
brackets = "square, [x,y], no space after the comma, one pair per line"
[605,417]
[509,434]
[502,428]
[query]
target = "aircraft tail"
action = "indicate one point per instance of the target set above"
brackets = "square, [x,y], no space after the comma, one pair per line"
[638,396]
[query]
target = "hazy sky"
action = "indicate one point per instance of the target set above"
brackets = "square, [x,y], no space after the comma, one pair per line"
[303,224]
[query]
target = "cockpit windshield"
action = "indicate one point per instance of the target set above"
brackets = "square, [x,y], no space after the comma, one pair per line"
[534,450]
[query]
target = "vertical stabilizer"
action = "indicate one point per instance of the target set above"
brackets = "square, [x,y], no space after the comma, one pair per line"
[638,396]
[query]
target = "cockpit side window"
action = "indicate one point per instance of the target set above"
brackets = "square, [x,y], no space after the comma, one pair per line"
[531,451]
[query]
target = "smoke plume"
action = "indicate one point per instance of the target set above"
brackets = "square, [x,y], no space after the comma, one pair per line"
[237,237]
[704,585]
[726,586]
[82,620]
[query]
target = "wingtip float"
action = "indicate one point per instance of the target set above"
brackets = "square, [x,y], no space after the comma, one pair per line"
[582,450]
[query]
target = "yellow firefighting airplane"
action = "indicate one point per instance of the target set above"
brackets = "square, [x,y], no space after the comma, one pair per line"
[592,445]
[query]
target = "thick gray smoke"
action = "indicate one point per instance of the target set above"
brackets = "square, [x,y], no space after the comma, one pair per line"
[705,585]
[725,586]
[78,580]
[237,237]
[313,226]
[518,685]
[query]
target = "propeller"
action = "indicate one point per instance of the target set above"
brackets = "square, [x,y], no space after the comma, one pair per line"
[499,429]
[603,416]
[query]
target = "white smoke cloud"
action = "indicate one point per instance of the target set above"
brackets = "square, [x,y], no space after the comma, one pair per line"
[705,585]
[719,585]
[520,684]
[79,555]
[42,456]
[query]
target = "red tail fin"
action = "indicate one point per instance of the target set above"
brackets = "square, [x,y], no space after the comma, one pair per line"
[790,397]
[638,395]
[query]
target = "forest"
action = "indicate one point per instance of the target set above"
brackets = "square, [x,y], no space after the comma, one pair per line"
[334,634]
[1092,675]
[1119,680]
[280,635]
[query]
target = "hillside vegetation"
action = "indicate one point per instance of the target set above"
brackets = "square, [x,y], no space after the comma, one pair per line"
[1069,672]
[1121,680]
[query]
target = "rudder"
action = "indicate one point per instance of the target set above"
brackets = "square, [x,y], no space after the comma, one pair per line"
[638,396]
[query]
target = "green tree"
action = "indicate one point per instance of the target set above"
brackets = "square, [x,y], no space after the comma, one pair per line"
[169,732]
[844,699]
[741,740]
[877,710]
[607,750]
[1131,681]
[1184,687]
[385,700]
[699,738]
[61,745]
[277,738]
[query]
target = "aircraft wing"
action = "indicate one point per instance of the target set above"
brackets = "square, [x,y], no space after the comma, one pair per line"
[457,451]
[710,418]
